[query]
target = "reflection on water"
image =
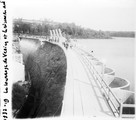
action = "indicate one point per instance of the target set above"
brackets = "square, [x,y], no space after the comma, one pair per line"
[118,53]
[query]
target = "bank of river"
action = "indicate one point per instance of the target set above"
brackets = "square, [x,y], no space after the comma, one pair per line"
[118,54]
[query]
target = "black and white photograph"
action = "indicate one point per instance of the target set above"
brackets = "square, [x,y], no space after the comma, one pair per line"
[67,59]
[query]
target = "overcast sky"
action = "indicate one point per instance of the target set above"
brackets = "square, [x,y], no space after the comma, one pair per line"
[116,15]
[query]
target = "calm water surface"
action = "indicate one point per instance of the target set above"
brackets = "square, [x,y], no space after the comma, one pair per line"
[118,54]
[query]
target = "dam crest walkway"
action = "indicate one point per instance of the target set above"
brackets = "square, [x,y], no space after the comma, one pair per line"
[82,95]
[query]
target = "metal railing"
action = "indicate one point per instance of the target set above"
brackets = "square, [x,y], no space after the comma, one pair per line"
[113,101]
[108,94]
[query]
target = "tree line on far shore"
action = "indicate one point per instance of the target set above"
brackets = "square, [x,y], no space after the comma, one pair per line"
[122,34]
[71,30]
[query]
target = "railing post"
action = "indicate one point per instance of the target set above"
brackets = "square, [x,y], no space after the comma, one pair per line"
[103,70]
[108,94]
[121,107]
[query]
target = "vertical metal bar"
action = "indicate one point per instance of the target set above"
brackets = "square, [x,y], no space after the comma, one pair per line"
[120,109]
[108,94]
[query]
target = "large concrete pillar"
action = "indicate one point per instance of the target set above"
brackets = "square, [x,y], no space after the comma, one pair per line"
[57,35]
[51,35]
[54,35]
[60,35]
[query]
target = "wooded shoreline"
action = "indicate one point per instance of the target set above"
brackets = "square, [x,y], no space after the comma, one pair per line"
[69,30]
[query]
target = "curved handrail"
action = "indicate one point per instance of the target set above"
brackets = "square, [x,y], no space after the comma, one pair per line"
[105,87]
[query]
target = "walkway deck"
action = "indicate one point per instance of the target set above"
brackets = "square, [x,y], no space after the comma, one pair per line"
[82,94]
